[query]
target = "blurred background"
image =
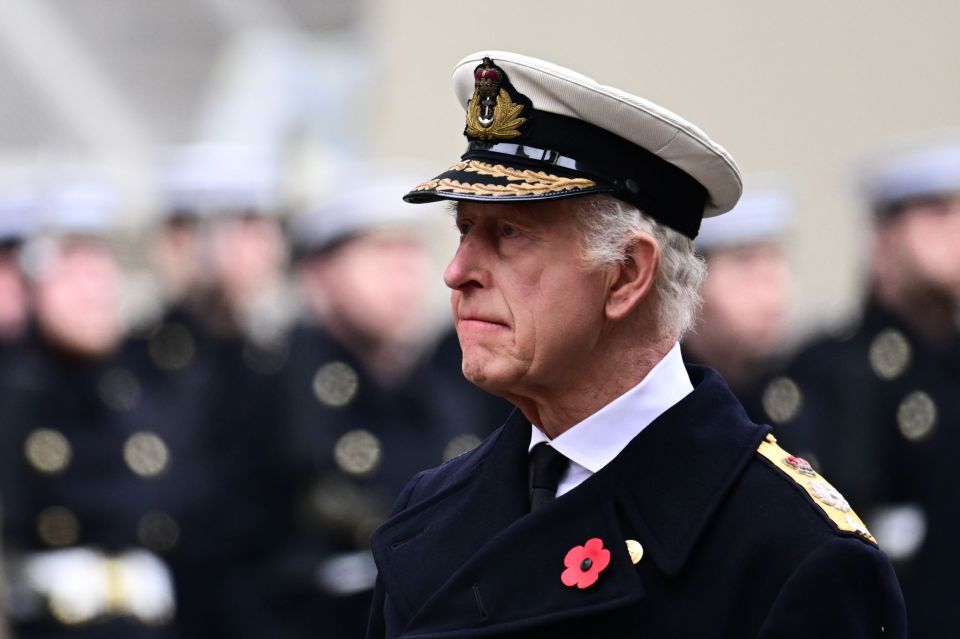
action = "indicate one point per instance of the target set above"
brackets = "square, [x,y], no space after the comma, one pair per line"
[197,370]
[811,91]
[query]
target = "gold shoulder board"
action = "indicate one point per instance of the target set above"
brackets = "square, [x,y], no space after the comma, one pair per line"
[824,495]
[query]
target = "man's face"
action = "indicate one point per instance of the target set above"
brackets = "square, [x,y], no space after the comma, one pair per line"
[923,241]
[527,311]
[248,255]
[374,285]
[78,298]
[746,297]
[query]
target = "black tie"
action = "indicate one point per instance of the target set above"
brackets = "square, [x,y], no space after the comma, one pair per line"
[546,468]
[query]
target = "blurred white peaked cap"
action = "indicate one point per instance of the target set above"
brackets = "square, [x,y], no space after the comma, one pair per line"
[18,213]
[764,213]
[204,179]
[921,171]
[367,199]
[80,207]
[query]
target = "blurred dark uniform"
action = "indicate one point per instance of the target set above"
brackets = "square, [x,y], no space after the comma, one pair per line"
[874,410]
[355,438]
[101,467]
[875,406]
[221,215]
[355,442]
[99,471]
[742,323]
[463,556]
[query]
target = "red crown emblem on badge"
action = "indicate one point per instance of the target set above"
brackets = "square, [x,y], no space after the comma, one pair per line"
[487,79]
[800,465]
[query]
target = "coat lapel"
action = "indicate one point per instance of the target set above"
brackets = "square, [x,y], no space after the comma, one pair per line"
[675,474]
[418,549]
[471,561]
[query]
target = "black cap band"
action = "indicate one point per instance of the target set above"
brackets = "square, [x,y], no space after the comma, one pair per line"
[627,171]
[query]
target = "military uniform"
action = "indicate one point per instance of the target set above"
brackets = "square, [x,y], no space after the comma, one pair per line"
[353,441]
[727,540]
[676,515]
[100,468]
[874,408]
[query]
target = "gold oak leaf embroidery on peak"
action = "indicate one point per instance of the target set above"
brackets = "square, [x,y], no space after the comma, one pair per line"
[520,182]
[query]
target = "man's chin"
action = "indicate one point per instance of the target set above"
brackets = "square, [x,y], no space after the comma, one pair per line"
[485,378]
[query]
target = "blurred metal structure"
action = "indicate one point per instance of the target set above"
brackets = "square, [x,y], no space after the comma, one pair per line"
[107,74]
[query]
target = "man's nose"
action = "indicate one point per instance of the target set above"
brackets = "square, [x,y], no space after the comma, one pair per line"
[465,270]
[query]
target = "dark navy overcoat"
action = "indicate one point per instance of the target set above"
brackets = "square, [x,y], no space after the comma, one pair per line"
[732,545]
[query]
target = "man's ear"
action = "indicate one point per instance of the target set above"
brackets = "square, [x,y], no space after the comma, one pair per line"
[632,279]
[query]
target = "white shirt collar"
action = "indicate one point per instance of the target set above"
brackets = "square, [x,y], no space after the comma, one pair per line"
[596,440]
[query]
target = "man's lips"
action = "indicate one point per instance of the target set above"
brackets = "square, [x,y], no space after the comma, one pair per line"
[480,321]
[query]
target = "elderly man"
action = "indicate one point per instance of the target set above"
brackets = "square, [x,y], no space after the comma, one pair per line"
[627,495]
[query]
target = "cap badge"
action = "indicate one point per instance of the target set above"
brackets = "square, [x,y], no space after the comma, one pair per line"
[491,113]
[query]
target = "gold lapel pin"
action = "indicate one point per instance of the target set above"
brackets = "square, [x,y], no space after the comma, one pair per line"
[635,550]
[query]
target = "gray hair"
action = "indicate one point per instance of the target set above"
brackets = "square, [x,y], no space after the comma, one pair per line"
[608,223]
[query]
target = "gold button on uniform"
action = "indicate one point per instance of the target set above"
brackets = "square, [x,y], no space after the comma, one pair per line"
[120,390]
[335,384]
[890,354]
[172,347]
[358,452]
[146,454]
[48,450]
[635,550]
[57,526]
[158,531]
[917,416]
[782,400]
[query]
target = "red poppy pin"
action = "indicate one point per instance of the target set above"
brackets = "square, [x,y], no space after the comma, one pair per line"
[585,563]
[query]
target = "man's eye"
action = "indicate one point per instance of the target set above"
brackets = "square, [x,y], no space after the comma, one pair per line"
[463,227]
[508,231]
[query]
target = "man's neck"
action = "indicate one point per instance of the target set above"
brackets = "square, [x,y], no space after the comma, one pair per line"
[557,409]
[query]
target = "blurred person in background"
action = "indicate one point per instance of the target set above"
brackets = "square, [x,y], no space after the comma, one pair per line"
[877,406]
[248,251]
[218,248]
[367,400]
[741,329]
[177,245]
[17,216]
[221,254]
[98,451]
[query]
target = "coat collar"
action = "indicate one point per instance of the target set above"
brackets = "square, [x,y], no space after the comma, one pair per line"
[470,560]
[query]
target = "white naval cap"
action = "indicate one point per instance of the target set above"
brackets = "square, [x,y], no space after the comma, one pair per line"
[366,199]
[930,170]
[210,178]
[80,207]
[764,213]
[537,130]
[18,213]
